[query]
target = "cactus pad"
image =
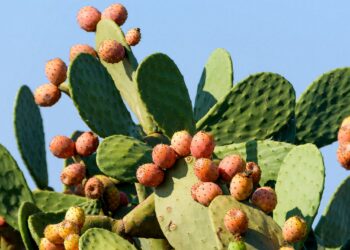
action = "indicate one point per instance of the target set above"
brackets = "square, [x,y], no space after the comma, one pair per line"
[322,107]
[96,98]
[263,232]
[26,209]
[163,90]
[119,157]
[152,244]
[97,238]
[13,188]
[256,108]
[216,81]
[30,136]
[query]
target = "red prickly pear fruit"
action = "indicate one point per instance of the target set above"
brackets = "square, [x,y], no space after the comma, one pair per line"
[163,156]
[255,170]
[62,147]
[66,228]
[93,188]
[265,198]
[241,186]
[88,18]
[343,156]
[194,190]
[202,145]
[133,36]
[344,135]
[73,174]
[86,144]
[181,143]
[51,232]
[72,242]
[111,51]
[2,222]
[47,95]
[236,221]
[294,229]
[230,166]
[206,170]
[116,12]
[76,215]
[150,175]
[206,192]
[123,199]
[45,244]
[79,49]
[56,71]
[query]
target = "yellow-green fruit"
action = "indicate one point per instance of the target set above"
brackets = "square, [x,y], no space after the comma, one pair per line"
[76,215]
[287,248]
[66,228]
[51,233]
[72,242]
[111,196]
[45,244]
[294,229]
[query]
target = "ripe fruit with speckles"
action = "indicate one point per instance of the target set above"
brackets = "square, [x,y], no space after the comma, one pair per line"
[66,228]
[181,143]
[88,18]
[241,186]
[237,245]
[62,147]
[116,12]
[194,190]
[86,144]
[206,170]
[230,166]
[51,233]
[150,175]
[206,192]
[93,188]
[294,229]
[47,95]
[236,221]
[2,221]
[287,248]
[265,198]
[56,71]
[343,155]
[75,215]
[79,49]
[344,135]
[73,174]
[123,199]
[202,145]
[163,156]
[255,171]
[133,36]
[111,51]
[45,244]
[72,242]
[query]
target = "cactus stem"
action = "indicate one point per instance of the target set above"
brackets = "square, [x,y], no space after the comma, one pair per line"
[64,87]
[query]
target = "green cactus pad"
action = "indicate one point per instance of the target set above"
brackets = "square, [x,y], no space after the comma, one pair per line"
[333,228]
[13,188]
[26,209]
[256,108]
[216,81]
[97,238]
[96,98]
[30,136]
[263,232]
[322,107]
[299,185]
[122,73]
[163,90]
[267,154]
[184,222]
[104,222]
[119,157]
[288,132]
[37,223]
[152,244]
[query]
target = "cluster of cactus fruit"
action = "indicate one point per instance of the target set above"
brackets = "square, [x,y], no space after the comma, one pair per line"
[240,170]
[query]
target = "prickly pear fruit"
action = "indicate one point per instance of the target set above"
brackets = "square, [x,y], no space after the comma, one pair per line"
[294,229]
[236,221]
[66,228]
[202,145]
[150,175]
[111,51]
[344,135]
[265,198]
[287,248]
[255,170]
[181,143]
[73,174]
[56,71]
[237,245]
[62,147]
[111,197]
[206,192]
[123,199]
[47,95]
[194,190]
[93,188]
[45,244]
[230,166]
[79,49]
[72,242]
[241,186]
[133,36]
[345,122]
[51,232]
[206,170]
[86,144]
[163,156]
[2,222]
[343,155]
[75,215]
[88,18]
[116,12]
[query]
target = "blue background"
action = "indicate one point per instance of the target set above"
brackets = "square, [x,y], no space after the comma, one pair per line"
[297,39]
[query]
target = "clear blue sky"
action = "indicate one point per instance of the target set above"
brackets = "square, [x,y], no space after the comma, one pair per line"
[297,39]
